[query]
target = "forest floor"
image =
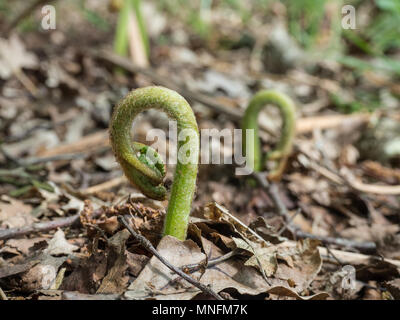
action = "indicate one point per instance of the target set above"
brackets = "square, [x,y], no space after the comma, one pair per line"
[328,230]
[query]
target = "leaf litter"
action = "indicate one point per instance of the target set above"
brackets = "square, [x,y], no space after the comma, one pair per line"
[54,112]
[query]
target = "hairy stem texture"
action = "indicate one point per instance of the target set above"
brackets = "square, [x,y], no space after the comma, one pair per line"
[142,165]
[255,159]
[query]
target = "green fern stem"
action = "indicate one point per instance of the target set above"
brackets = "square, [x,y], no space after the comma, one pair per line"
[142,165]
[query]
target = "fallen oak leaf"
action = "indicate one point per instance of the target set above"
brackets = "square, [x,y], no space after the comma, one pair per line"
[264,257]
[266,231]
[305,264]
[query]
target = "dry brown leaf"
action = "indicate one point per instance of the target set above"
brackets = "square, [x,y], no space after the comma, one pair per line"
[266,231]
[21,245]
[365,232]
[305,264]
[136,262]
[115,280]
[317,189]
[87,274]
[158,281]
[266,257]
[14,57]
[58,245]
[14,213]
[42,275]
[232,273]
[261,256]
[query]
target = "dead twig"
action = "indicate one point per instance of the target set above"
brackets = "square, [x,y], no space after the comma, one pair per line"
[88,143]
[364,246]
[210,263]
[148,246]
[42,226]
[105,185]
[369,188]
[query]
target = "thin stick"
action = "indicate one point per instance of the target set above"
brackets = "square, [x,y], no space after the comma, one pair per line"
[105,185]
[210,263]
[42,226]
[148,246]
[222,258]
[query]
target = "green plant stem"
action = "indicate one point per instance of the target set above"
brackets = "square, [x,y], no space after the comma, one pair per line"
[121,33]
[287,109]
[142,165]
